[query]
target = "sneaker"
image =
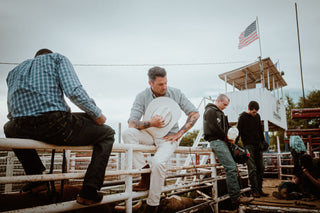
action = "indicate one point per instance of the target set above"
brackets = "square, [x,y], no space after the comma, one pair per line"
[88,196]
[245,200]
[34,187]
[241,200]
[263,194]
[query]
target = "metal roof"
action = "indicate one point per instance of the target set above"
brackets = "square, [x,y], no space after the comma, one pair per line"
[248,76]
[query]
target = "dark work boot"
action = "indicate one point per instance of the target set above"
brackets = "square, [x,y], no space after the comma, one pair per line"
[89,195]
[150,209]
[144,183]
[35,187]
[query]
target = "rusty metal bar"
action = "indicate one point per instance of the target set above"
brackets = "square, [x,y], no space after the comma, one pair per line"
[305,113]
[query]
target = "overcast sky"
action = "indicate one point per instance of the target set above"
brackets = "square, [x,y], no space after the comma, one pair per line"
[128,37]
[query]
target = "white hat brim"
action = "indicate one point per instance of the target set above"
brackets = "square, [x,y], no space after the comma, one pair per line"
[168,109]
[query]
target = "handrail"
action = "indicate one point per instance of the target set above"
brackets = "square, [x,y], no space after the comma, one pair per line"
[8,144]
[17,143]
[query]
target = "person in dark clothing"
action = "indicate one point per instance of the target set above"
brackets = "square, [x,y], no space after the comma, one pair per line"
[310,179]
[38,110]
[298,149]
[251,133]
[215,127]
[305,184]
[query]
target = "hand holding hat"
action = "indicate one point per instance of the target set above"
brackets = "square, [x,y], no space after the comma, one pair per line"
[157,121]
[168,110]
[233,133]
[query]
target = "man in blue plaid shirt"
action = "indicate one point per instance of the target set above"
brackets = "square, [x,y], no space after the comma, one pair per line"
[37,110]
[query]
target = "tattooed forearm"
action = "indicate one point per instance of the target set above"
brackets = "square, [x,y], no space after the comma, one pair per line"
[191,120]
[139,124]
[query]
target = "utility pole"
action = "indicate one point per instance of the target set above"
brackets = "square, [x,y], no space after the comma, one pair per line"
[304,99]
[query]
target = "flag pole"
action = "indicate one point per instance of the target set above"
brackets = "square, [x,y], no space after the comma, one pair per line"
[260,57]
[304,99]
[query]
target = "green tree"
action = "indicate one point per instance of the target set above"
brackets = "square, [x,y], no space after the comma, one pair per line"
[311,101]
[289,104]
[189,138]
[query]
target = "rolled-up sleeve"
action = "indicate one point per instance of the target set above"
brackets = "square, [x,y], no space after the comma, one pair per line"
[186,105]
[137,109]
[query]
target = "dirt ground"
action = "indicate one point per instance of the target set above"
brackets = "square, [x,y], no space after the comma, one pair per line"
[271,185]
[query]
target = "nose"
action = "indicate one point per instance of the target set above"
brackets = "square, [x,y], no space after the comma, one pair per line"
[164,86]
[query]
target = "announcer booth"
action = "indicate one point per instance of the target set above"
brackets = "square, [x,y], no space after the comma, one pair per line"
[250,83]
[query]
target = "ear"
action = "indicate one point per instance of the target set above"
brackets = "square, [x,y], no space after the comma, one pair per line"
[150,83]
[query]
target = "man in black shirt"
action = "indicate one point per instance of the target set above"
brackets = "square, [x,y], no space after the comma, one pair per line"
[251,133]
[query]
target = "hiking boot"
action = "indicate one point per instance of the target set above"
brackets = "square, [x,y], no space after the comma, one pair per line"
[89,195]
[150,209]
[34,187]
[144,183]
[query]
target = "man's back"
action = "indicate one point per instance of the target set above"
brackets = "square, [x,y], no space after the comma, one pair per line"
[38,85]
[34,87]
[250,128]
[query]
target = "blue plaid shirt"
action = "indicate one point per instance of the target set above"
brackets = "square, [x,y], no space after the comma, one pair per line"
[38,85]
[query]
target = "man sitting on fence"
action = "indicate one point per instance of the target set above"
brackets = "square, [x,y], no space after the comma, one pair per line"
[37,110]
[160,106]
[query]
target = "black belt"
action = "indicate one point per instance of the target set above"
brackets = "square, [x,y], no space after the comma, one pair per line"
[45,117]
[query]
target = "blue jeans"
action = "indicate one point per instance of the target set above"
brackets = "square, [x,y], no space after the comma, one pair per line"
[221,149]
[64,129]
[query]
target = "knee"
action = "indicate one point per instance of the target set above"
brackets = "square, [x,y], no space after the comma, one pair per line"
[157,166]
[232,167]
[108,133]
[129,135]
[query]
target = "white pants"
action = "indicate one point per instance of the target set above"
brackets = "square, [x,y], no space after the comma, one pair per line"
[158,170]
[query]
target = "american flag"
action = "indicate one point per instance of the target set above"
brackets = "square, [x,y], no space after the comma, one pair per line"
[248,36]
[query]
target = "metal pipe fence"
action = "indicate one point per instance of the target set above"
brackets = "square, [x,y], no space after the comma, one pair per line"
[123,172]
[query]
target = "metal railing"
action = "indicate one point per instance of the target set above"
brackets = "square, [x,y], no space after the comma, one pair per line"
[126,173]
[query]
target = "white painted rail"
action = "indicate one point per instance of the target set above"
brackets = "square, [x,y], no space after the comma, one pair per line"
[128,195]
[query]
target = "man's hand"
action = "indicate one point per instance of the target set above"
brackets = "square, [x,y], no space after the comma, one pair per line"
[157,121]
[173,138]
[100,120]
[231,141]
[305,171]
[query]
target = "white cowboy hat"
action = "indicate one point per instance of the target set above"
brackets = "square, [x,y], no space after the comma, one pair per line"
[168,109]
[233,133]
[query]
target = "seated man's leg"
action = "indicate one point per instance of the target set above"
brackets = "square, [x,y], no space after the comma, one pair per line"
[135,136]
[163,154]
[224,156]
[29,158]
[86,132]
